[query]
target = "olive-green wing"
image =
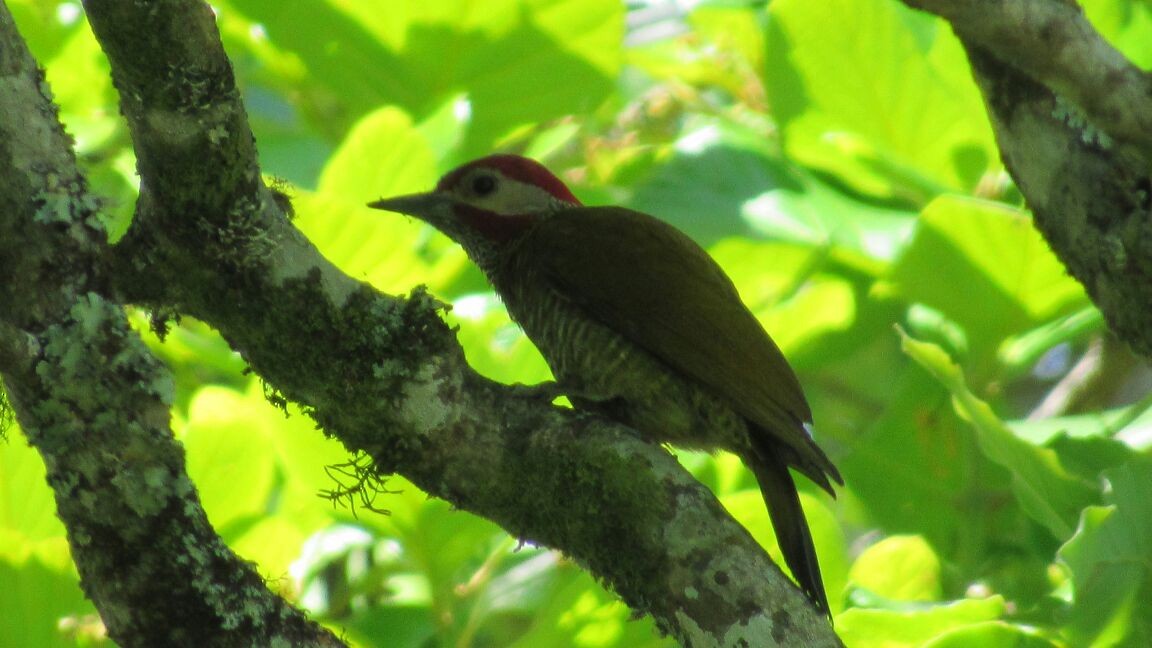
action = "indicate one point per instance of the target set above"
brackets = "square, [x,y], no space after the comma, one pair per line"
[649,281]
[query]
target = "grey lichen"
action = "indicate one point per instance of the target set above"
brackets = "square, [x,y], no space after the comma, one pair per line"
[146,491]
[1075,118]
[64,200]
[244,241]
[90,385]
[421,402]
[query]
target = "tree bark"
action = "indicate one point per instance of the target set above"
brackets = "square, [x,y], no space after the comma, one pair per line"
[1073,121]
[383,374]
[95,404]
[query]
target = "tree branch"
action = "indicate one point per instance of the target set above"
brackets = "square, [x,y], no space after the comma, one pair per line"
[94,403]
[1073,121]
[1052,42]
[386,376]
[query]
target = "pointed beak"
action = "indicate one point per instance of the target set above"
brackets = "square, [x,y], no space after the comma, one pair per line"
[422,205]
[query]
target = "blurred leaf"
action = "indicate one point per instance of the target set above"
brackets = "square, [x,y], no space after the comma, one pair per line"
[80,81]
[384,155]
[782,284]
[723,179]
[195,353]
[859,234]
[1126,25]
[417,54]
[1110,558]
[870,628]
[493,344]
[1020,353]
[1045,490]
[1003,264]
[911,467]
[27,506]
[227,439]
[702,186]
[259,473]
[40,585]
[576,612]
[273,542]
[46,26]
[991,634]
[739,31]
[37,600]
[877,95]
[900,568]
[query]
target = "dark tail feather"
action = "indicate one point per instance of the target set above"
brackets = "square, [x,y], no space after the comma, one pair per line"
[790,526]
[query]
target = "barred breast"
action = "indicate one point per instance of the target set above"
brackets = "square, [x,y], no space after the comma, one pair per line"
[603,371]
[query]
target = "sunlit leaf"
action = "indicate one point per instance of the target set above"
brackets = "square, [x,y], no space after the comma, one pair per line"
[863,90]
[875,628]
[227,439]
[900,568]
[417,54]
[999,259]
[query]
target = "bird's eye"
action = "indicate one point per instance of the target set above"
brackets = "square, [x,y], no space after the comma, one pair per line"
[482,185]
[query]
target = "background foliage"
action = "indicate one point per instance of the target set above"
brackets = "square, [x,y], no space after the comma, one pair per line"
[835,158]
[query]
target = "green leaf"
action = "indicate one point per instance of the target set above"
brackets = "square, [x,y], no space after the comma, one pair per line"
[1044,489]
[82,85]
[1019,353]
[45,26]
[871,628]
[417,54]
[912,461]
[878,95]
[574,611]
[1126,25]
[38,602]
[493,344]
[227,438]
[899,568]
[991,634]
[1110,559]
[385,154]
[1011,280]
[40,585]
[723,179]
[861,235]
[274,543]
[27,506]
[782,285]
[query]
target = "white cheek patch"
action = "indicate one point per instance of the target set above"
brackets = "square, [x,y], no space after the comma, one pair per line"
[515,197]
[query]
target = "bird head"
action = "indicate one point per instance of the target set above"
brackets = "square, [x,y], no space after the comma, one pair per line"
[487,203]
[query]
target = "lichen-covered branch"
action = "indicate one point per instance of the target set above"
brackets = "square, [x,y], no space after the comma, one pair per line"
[94,402]
[383,374]
[1052,42]
[1073,121]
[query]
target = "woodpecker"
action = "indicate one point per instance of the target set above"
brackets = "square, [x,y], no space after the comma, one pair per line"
[638,323]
